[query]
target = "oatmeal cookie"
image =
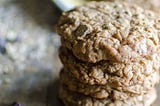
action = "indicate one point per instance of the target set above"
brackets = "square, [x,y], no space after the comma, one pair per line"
[70,98]
[112,31]
[101,73]
[96,91]
[109,90]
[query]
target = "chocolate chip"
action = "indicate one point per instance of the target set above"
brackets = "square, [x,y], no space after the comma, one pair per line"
[3,50]
[16,104]
[105,26]
[117,17]
[126,12]
[2,46]
[81,30]
[115,6]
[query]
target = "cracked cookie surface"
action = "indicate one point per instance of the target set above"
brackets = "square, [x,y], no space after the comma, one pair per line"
[109,90]
[75,99]
[110,31]
[117,74]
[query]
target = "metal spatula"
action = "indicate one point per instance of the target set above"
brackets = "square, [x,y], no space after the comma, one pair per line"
[66,5]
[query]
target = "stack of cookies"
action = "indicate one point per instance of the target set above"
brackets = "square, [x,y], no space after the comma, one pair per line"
[111,55]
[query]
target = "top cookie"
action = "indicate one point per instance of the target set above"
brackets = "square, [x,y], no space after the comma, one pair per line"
[113,31]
